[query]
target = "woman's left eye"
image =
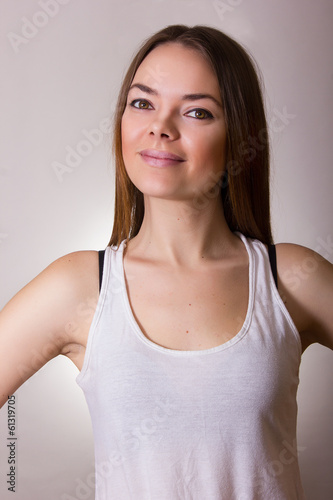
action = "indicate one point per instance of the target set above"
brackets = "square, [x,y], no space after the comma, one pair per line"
[200,114]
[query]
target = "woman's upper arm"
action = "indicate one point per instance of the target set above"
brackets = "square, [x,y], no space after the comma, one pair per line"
[36,324]
[306,286]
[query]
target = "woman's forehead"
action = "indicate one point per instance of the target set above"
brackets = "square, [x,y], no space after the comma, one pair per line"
[174,65]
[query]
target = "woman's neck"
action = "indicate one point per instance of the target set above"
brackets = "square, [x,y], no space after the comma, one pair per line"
[178,233]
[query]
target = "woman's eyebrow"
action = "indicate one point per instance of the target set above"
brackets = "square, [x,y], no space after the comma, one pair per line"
[186,97]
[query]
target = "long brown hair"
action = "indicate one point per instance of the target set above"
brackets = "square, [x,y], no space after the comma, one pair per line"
[245,185]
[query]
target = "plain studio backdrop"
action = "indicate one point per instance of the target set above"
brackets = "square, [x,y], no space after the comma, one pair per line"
[62,63]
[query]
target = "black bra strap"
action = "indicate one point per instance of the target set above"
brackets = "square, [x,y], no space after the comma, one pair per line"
[272,260]
[100,264]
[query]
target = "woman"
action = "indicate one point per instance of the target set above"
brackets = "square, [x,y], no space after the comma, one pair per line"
[189,358]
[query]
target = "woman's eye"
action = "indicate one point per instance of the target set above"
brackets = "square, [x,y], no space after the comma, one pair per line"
[140,104]
[200,114]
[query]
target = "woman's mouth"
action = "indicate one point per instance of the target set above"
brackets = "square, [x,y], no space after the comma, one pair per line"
[157,158]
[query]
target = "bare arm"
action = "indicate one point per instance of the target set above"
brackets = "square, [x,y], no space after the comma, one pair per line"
[37,324]
[306,286]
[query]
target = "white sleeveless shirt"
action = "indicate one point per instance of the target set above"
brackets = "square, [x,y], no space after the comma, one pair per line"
[214,424]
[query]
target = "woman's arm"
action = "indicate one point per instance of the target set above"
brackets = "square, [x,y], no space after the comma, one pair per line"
[42,319]
[306,286]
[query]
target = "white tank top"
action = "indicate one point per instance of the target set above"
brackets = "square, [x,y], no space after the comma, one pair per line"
[214,424]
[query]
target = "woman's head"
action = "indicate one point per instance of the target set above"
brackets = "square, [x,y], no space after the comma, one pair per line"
[245,186]
[178,114]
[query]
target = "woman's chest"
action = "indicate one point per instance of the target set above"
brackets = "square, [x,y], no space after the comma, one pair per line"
[188,311]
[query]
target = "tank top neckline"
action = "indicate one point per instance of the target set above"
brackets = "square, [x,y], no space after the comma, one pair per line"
[177,352]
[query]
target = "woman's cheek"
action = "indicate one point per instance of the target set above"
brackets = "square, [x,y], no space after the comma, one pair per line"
[132,130]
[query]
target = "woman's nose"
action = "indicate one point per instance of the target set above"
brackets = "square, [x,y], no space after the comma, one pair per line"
[164,127]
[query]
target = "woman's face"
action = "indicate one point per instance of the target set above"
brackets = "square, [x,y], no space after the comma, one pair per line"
[174,108]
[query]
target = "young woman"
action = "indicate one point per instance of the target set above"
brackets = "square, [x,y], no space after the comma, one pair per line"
[189,359]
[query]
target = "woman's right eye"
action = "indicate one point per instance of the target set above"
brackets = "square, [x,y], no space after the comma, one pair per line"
[140,104]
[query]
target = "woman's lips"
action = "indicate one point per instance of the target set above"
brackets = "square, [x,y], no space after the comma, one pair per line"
[157,158]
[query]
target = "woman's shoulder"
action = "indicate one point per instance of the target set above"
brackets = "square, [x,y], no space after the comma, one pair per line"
[305,281]
[76,276]
[47,317]
[76,263]
[298,264]
[72,275]
[75,271]
[60,292]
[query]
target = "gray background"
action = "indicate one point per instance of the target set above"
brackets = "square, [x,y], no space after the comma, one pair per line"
[62,79]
